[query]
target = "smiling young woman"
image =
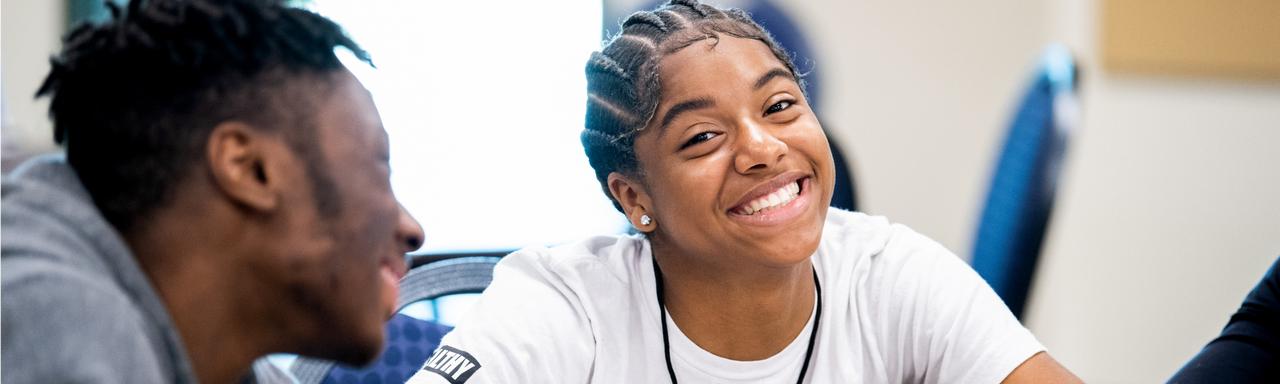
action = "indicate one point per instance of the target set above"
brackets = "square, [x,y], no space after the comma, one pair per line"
[699,130]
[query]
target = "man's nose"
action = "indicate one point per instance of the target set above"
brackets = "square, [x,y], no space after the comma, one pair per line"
[408,231]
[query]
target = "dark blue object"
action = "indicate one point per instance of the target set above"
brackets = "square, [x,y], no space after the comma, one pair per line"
[1020,201]
[1248,350]
[845,196]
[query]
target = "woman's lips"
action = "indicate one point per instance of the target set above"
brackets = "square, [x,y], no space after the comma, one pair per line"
[764,189]
[781,212]
[777,198]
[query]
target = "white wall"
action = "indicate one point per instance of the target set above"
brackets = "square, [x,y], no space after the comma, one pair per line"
[1169,208]
[918,93]
[29,34]
[1169,214]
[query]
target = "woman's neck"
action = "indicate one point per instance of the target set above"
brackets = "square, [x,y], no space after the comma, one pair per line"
[739,313]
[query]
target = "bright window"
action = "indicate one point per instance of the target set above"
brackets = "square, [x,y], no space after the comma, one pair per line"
[483,102]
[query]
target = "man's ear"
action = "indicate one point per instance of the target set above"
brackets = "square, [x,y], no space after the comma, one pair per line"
[238,155]
[634,199]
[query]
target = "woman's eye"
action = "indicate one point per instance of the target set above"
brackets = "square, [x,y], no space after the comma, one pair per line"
[778,107]
[701,137]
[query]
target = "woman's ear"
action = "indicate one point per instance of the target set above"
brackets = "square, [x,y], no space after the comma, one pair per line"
[635,201]
[238,157]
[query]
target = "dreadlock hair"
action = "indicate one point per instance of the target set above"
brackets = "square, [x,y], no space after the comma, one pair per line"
[135,99]
[622,78]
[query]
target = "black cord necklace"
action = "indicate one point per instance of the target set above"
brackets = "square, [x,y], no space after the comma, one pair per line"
[666,341]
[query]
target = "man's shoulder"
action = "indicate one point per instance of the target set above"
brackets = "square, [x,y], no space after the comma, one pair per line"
[43,172]
[52,229]
[76,306]
[67,324]
[60,286]
[37,289]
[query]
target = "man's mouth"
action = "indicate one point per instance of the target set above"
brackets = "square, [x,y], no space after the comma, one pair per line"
[391,271]
[776,198]
[397,265]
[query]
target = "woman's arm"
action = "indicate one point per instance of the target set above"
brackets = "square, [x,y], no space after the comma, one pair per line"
[957,324]
[1041,368]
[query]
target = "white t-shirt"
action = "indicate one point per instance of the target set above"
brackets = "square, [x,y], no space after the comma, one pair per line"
[896,307]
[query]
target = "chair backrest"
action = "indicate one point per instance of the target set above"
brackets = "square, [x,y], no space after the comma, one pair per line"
[846,193]
[409,340]
[1020,201]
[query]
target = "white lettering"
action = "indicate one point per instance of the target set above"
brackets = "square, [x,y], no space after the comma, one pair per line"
[453,362]
[466,366]
[436,358]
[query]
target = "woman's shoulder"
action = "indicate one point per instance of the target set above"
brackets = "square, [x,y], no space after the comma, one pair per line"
[591,250]
[569,281]
[848,232]
[591,261]
[855,238]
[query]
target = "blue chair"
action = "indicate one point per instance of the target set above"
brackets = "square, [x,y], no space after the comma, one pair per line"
[1020,201]
[409,340]
[846,195]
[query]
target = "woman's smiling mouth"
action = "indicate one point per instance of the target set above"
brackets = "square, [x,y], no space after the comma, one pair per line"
[775,202]
[777,198]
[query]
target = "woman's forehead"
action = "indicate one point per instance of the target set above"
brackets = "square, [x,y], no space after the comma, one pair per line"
[715,63]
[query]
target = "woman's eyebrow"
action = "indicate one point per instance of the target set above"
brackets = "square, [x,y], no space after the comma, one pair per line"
[685,106]
[772,74]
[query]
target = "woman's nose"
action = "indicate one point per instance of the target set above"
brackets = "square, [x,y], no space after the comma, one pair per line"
[759,149]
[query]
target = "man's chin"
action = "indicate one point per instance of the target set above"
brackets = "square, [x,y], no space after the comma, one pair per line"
[350,351]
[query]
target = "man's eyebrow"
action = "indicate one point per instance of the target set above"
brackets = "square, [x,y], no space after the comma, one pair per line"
[685,106]
[769,76]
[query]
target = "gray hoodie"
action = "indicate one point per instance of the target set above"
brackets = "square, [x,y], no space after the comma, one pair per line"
[77,308]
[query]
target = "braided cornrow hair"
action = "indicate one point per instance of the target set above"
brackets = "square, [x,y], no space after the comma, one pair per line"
[622,78]
[134,99]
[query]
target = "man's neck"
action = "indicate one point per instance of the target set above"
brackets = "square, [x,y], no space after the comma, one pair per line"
[744,314]
[200,289]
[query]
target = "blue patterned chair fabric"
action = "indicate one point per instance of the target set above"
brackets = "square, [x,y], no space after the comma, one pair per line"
[409,342]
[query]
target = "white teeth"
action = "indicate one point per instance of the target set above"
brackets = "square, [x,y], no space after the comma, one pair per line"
[776,198]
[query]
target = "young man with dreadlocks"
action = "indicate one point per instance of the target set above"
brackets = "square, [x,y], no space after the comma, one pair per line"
[224,194]
[698,128]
